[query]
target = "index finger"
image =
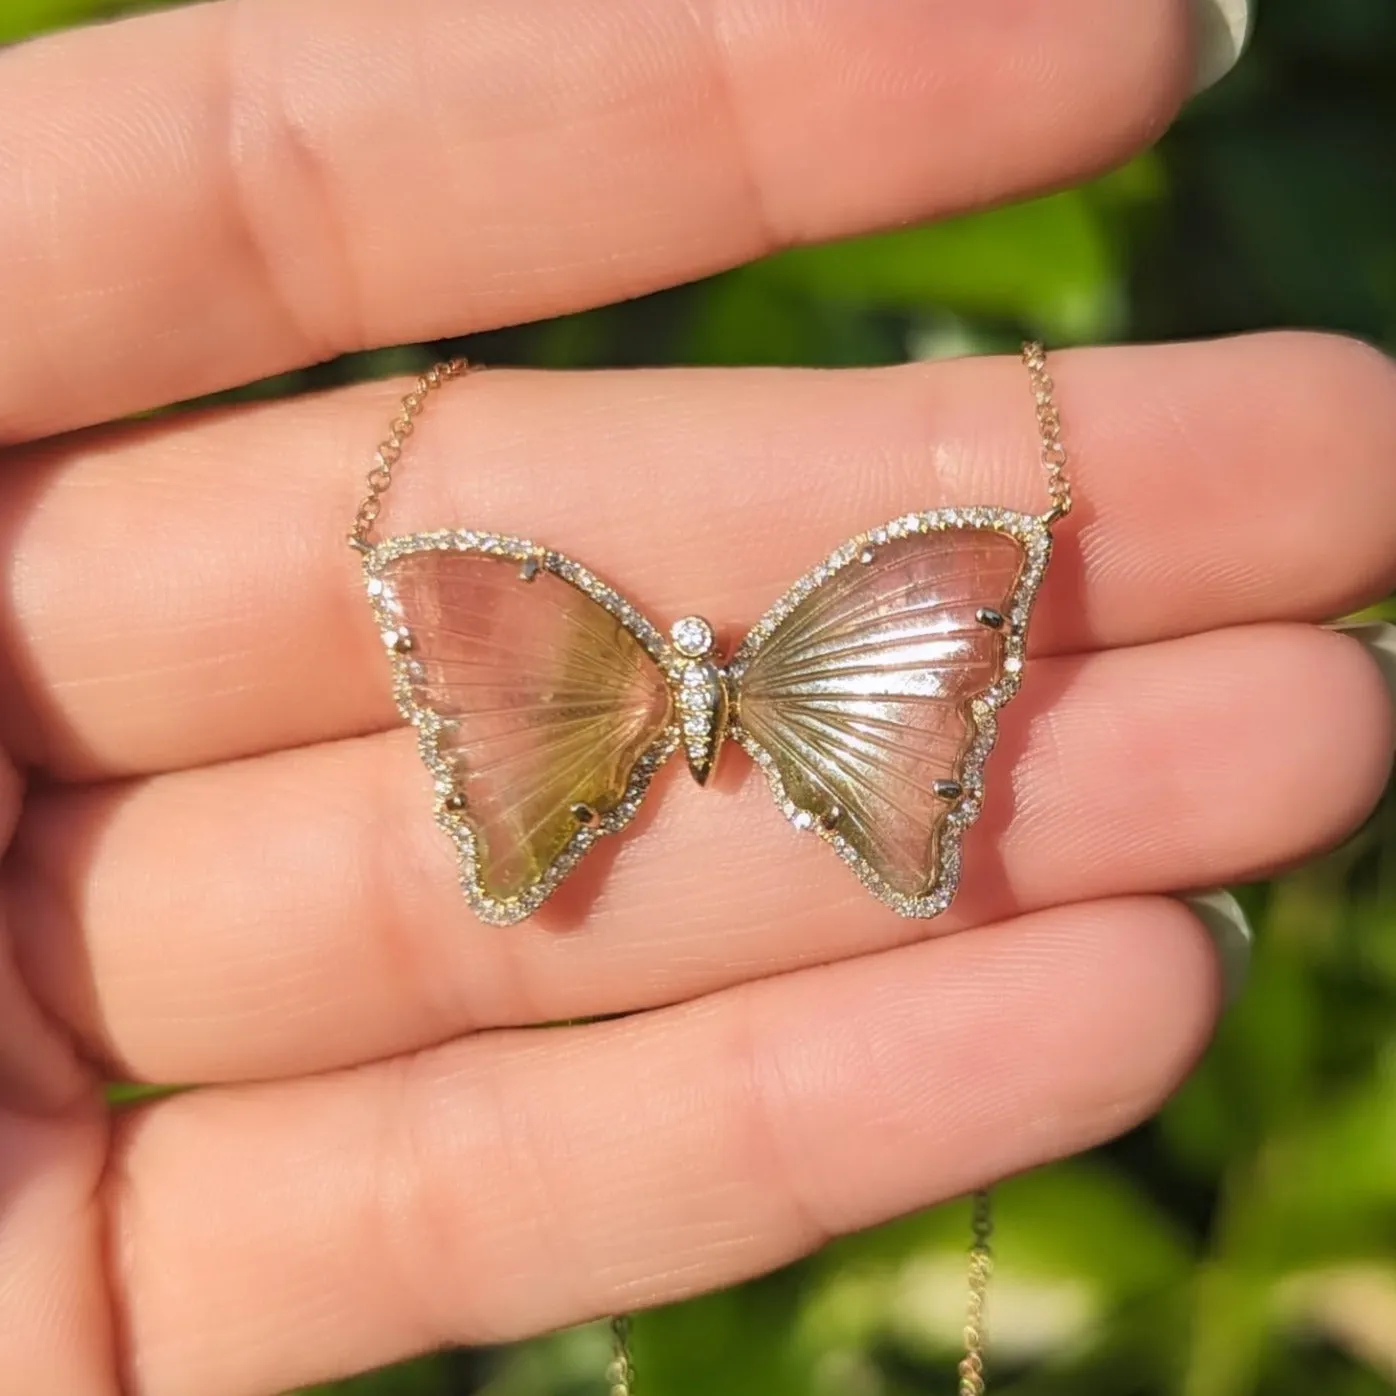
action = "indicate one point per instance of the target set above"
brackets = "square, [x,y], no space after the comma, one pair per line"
[206,196]
[181,592]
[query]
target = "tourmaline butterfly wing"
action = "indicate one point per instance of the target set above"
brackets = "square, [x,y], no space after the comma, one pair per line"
[539,700]
[868,693]
[544,702]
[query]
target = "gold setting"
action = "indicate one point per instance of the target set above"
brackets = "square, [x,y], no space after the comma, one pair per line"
[707,701]
[706,705]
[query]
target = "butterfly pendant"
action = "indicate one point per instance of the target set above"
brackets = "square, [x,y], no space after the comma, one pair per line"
[544,702]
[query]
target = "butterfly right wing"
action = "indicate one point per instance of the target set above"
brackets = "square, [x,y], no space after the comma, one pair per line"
[868,693]
[539,699]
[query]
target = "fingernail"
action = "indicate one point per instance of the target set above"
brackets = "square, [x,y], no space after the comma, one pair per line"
[1221,30]
[1231,933]
[1378,638]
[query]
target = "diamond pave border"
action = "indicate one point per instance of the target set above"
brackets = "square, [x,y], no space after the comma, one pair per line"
[1030,531]
[432,727]
[1035,537]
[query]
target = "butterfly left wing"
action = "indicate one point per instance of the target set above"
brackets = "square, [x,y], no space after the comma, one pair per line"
[868,692]
[539,700]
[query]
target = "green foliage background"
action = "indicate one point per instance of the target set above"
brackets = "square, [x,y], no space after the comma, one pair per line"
[1244,1243]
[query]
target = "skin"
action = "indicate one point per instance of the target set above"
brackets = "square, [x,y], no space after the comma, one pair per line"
[223,869]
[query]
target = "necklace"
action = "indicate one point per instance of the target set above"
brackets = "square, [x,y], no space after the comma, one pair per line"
[544,702]
[868,695]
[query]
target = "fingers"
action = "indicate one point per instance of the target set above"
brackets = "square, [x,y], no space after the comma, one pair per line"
[519,1182]
[181,593]
[39,1070]
[299,912]
[57,1334]
[237,190]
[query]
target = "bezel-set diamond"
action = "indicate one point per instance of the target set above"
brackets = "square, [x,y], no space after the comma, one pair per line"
[692,636]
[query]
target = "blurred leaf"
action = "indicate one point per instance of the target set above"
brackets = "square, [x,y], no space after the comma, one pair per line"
[570,1363]
[428,1376]
[737,1342]
[21,18]
[1353,1306]
[1260,1073]
[1285,216]
[120,1094]
[1325,1192]
[1232,1321]
[1053,264]
[1076,1243]
[753,316]
[1358,33]
[1374,941]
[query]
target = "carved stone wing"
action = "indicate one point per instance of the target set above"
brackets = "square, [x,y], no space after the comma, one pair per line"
[868,692]
[539,700]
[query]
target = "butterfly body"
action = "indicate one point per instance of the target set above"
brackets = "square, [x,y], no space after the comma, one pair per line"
[544,702]
[702,706]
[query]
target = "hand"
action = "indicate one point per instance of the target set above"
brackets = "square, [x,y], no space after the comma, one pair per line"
[224,870]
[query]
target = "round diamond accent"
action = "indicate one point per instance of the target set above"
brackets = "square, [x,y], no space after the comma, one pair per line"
[692,636]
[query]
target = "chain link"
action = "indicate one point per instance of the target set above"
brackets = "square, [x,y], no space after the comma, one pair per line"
[981,1266]
[1049,428]
[621,1372]
[389,452]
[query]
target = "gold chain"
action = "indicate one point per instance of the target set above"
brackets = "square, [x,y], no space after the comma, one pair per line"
[621,1373]
[389,452]
[981,1266]
[1049,427]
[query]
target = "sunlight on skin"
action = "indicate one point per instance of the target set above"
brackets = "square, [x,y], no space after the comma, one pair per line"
[212,194]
